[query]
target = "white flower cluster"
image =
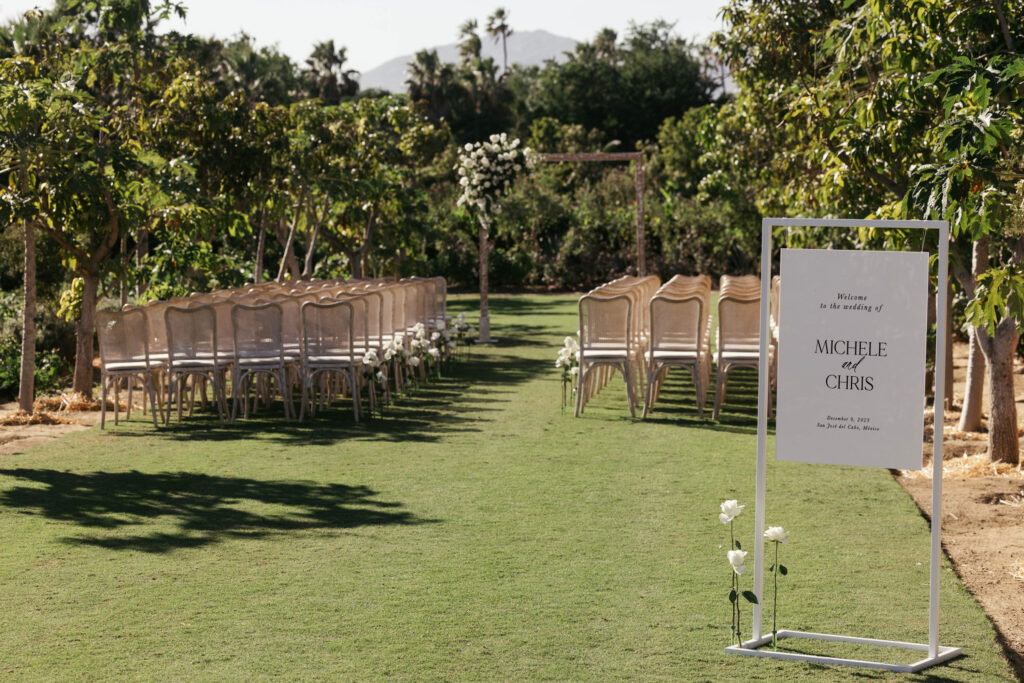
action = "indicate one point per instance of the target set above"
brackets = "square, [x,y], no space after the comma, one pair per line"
[569,358]
[418,346]
[487,169]
[394,347]
[372,366]
[460,329]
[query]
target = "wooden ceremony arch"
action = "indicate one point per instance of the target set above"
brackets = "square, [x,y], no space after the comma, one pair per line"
[638,159]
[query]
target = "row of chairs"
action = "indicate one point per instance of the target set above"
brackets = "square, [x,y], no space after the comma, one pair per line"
[614,330]
[646,335]
[311,335]
[680,335]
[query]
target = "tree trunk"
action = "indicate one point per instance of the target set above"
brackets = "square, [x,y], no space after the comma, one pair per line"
[307,269]
[261,242]
[485,318]
[355,264]
[970,414]
[84,334]
[141,251]
[26,392]
[124,263]
[288,261]
[1002,424]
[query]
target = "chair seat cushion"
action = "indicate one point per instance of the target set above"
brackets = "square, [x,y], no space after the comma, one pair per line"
[132,366]
[330,360]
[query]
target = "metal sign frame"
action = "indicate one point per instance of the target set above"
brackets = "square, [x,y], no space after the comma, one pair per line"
[935,654]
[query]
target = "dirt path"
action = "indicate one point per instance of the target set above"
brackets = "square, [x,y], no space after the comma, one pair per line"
[18,438]
[982,518]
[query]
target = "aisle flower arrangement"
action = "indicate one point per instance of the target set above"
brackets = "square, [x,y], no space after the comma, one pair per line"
[373,376]
[462,331]
[568,361]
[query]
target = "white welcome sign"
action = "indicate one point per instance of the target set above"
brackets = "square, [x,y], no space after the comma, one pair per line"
[852,357]
[852,345]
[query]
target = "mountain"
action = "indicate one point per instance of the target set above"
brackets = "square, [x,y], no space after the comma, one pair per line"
[524,47]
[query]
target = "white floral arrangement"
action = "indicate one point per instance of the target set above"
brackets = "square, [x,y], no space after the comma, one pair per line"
[461,330]
[487,170]
[568,361]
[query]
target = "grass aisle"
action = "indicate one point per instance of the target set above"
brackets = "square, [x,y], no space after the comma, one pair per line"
[473,533]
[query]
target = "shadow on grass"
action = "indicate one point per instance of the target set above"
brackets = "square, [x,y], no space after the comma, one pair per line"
[677,403]
[460,401]
[205,509]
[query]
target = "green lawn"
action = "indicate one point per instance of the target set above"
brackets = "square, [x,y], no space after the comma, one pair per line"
[475,532]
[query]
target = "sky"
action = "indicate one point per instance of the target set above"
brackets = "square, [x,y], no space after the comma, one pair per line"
[374,31]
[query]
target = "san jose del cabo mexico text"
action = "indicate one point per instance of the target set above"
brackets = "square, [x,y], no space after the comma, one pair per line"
[847,423]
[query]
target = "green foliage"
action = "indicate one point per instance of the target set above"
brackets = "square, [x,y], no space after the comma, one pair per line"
[625,89]
[999,295]
[70,308]
[51,368]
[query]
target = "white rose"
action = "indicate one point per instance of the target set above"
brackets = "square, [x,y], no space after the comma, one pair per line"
[730,510]
[776,534]
[738,560]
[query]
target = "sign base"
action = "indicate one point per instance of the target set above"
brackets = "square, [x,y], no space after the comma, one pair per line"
[751,649]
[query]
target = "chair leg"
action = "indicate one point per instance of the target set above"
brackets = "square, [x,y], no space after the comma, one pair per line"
[584,374]
[627,373]
[117,397]
[128,411]
[719,390]
[103,401]
[356,407]
[236,389]
[148,386]
[648,393]
[698,383]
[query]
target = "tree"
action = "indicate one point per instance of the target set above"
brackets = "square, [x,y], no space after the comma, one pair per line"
[498,29]
[21,121]
[378,144]
[326,76]
[845,108]
[469,41]
[86,156]
[431,85]
[625,90]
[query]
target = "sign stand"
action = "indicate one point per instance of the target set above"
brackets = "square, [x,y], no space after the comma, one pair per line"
[935,654]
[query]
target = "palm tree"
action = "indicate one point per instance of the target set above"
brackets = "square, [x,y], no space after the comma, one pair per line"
[431,83]
[604,43]
[498,29]
[469,42]
[326,76]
